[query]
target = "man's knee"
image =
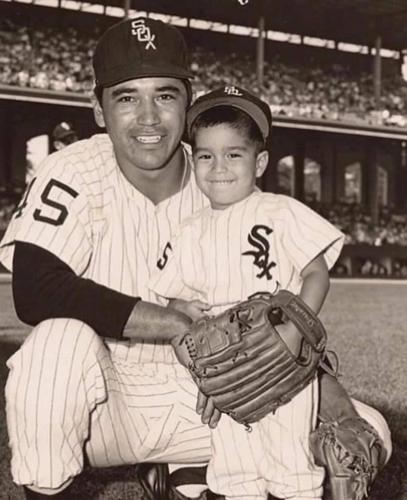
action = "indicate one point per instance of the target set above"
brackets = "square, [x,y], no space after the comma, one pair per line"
[378,422]
[56,380]
[48,364]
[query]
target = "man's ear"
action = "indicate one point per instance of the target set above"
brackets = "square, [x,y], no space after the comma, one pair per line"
[262,161]
[97,111]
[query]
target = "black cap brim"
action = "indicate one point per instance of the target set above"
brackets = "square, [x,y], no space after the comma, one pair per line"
[243,104]
[119,75]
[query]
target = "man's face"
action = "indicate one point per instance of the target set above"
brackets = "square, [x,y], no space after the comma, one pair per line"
[145,119]
[226,164]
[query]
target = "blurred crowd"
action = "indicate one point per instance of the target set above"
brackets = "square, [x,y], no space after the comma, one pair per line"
[359,227]
[58,60]
[45,58]
[9,199]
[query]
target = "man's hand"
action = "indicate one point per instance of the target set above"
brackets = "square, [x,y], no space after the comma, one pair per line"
[181,350]
[195,309]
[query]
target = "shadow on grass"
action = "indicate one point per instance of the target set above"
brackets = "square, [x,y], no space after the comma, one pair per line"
[119,483]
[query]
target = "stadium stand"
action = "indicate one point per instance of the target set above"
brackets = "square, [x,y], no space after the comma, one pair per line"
[334,92]
[316,89]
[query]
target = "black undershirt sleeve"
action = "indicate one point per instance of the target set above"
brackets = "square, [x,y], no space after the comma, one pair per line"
[44,287]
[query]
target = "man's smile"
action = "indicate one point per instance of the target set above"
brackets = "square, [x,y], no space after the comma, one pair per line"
[149,139]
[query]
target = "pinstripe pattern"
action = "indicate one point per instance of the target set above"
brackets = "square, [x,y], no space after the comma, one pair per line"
[214,260]
[65,380]
[214,268]
[273,457]
[113,234]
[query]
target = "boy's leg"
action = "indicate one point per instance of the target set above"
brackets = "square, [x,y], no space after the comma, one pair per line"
[288,464]
[233,469]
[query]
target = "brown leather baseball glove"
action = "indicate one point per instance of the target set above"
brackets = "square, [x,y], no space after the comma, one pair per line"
[352,452]
[240,361]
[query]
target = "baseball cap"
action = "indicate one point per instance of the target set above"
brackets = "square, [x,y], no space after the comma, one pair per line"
[137,48]
[62,131]
[237,97]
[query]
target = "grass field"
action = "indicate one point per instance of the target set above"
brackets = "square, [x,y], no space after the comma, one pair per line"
[367,327]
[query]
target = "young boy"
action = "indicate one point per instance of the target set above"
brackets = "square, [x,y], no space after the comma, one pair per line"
[245,242]
[248,241]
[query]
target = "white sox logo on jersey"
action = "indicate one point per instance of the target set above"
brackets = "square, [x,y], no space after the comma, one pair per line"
[261,252]
[143,33]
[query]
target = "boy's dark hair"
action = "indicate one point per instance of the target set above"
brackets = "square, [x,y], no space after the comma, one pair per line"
[233,117]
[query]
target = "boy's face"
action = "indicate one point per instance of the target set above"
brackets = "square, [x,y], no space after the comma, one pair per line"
[226,164]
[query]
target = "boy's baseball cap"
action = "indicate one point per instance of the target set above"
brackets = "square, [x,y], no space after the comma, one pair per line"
[137,48]
[237,97]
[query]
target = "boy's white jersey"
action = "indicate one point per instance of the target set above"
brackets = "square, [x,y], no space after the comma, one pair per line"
[261,243]
[81,208]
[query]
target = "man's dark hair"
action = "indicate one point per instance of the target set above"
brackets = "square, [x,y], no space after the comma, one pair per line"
[233,117]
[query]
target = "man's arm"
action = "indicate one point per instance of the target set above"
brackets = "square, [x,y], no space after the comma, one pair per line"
[44,287]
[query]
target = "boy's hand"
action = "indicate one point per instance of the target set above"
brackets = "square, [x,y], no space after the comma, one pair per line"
[291,336]
[206,408]
[195,309]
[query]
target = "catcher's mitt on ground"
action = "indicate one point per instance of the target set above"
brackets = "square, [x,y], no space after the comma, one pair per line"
[241,362]
[352,452]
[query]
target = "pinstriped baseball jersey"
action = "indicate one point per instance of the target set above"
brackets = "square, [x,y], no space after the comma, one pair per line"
[261,243]
[81,208]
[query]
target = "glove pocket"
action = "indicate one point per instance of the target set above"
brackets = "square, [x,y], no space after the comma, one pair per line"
[250,347]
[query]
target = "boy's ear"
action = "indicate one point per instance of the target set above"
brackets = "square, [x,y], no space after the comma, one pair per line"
[261,163]
[97,111]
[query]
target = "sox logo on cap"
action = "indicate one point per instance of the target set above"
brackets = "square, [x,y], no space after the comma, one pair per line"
[232,90]
[143,33]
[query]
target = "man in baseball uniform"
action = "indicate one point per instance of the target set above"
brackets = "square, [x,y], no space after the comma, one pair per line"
[98,376]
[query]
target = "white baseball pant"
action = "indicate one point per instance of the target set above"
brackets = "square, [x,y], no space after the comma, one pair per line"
[68,393]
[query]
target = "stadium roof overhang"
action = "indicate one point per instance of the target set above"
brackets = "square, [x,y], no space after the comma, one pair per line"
[350,21]
[39,96]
